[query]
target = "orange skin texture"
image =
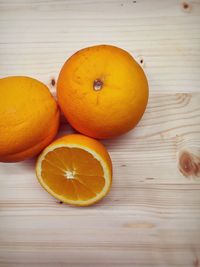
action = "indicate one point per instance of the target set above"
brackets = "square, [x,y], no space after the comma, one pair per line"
[29,118]
[114,109]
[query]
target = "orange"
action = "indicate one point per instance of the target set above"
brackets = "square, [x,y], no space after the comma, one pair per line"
[29,118]
[102,91]
[75,169]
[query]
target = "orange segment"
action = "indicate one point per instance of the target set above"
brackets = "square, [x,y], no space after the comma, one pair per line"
[55,182]
[75,169]
[48,166]
[53,158]
[83,192]
[94,183]
[85,163]
[64,156]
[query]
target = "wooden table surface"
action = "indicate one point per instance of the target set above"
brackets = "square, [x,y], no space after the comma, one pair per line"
[151,217]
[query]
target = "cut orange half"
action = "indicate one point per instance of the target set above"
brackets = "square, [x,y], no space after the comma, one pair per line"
[75,169]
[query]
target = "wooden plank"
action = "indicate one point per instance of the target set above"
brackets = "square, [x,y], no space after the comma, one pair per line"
[164,240]
[151,216]
[153,207]
[38,36]
[169,128]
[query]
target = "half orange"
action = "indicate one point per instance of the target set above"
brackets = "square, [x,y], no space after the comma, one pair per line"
[75,169]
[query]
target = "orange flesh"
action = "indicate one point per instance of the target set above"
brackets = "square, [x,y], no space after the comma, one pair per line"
[73,173]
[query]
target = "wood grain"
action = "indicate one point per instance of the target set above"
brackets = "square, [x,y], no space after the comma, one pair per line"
[151,217]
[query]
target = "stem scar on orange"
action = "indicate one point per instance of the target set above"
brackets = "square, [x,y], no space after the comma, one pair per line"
[102,91]
[75,169]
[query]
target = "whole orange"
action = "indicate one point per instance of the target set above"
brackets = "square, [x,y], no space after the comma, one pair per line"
[102,91]
[29,118]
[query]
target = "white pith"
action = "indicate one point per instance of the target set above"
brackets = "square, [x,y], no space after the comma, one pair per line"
[70,174]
